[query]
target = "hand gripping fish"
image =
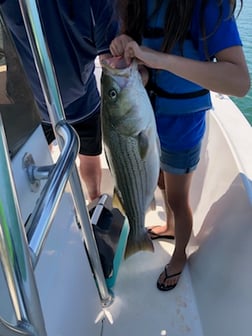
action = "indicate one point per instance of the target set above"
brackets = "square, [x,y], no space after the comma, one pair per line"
[131,147]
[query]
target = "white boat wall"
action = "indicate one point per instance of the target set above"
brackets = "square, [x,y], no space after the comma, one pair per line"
[50,276]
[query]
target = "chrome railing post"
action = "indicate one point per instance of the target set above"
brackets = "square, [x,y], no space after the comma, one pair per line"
[15,255]
[49,85]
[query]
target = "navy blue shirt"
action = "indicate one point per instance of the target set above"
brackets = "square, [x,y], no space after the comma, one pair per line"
[77,32]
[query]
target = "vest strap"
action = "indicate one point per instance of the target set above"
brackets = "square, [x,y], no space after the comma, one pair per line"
[154,90]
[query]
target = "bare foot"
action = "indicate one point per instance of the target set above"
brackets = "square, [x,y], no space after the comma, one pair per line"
[157,231]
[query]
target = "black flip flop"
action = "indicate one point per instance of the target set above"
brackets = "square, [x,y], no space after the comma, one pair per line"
[154,236]
[162,287]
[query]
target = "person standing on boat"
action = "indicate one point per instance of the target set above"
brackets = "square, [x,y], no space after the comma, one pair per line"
[189,48]
[77,32]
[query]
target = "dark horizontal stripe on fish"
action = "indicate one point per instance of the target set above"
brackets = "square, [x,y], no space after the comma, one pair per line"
[131,177]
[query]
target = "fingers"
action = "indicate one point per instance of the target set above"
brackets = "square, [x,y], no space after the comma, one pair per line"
[131,51]
[126,47]
[118,45]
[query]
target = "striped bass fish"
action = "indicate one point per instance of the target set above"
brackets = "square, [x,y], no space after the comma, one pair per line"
[131,146]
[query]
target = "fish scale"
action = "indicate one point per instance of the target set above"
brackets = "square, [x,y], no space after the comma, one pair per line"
[130,171]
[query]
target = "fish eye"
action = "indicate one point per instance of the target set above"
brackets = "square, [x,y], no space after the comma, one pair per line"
[112,94]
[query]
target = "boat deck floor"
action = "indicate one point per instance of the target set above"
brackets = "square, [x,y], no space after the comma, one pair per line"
[139,308]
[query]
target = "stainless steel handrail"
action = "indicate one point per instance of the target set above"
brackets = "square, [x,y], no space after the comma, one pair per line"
[7,329]
[43,214]
[15,256]
[49,85]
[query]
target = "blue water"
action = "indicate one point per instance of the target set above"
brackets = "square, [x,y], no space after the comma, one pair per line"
[244,23]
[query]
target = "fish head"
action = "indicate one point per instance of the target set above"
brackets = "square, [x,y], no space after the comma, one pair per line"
[121,91]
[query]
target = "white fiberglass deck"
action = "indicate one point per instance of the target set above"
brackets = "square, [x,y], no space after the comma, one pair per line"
[212,296]
[139,308]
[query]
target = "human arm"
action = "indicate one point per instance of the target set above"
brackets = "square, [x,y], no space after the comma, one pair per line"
[228,75]
[105,26]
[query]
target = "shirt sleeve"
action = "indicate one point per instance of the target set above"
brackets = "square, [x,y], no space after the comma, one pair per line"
[221,32]
[105,25]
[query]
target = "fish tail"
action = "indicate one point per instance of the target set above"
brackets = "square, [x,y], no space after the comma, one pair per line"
[116,202]
[143,244]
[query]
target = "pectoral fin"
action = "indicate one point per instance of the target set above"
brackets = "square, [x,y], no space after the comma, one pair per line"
[143,144]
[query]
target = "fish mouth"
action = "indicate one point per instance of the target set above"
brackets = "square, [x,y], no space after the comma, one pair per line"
[116,62]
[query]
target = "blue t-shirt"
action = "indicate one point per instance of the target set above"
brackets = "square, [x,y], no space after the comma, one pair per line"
[181,122]
[76,32]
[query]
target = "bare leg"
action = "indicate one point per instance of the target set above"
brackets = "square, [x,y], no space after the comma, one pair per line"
[90,171]
[177,191]
[167,229]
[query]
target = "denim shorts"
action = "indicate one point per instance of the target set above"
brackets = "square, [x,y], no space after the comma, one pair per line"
[180,162]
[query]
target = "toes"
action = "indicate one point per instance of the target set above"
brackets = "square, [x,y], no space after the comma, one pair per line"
[167,281]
